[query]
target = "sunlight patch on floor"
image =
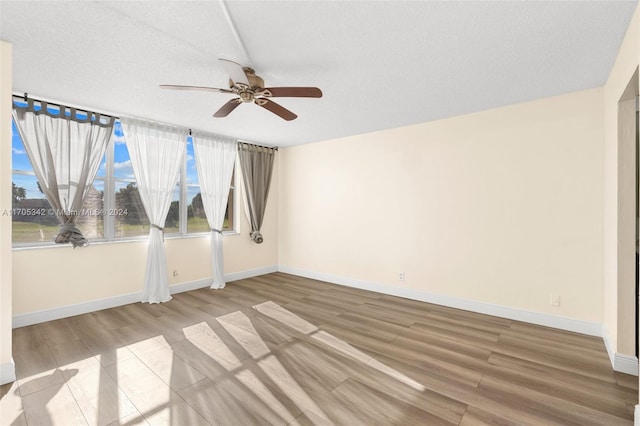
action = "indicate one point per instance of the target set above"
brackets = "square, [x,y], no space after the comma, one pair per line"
[203,337]
[253,383]
[280,376]
[277,312]
[288,318]
[239,326]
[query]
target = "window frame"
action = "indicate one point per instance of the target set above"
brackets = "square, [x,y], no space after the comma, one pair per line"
[109,225]
[235,222]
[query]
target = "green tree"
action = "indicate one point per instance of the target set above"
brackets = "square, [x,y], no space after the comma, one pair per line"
[18,194]
[129,198]
[173,215]
[197,206]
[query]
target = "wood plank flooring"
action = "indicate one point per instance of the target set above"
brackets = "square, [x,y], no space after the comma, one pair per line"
[284,350]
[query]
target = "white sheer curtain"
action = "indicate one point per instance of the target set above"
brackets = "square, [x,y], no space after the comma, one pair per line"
[215,157]
[157,152]
[65,147]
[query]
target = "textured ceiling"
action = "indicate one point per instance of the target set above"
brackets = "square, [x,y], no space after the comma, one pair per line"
[380,64]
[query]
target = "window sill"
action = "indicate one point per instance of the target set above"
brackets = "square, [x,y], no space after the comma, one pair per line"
[99,242]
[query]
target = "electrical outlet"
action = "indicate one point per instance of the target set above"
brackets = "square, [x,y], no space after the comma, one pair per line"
[175,272]
[401,276]
[555,300]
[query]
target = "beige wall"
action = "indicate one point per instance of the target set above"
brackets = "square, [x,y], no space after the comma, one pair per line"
[619,291]
[102,271]
[502,206]
[5,221]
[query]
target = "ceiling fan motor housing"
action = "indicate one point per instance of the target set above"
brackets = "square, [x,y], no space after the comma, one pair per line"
[246,95]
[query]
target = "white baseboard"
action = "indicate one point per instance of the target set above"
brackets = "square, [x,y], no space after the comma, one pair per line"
[30,318]
[188,286]
[625,364]
[611,350]
[22,320]
[636,416]
[235,276]
[620,362]
[7,372]
[562,323]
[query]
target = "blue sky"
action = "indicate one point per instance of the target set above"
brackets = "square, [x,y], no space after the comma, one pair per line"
[21,162]
[20,159]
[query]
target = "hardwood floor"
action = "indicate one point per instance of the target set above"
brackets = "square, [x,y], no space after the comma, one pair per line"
[280,349]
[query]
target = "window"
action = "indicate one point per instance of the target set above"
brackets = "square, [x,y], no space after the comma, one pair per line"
[196,218]
[33,218]
[113,209]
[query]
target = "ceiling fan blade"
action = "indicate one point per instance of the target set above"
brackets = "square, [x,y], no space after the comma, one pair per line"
[235,71]
[227,108]
[204,88]
[291,92]
[276,109]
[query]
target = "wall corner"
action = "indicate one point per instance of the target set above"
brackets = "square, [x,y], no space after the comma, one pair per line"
[7,369]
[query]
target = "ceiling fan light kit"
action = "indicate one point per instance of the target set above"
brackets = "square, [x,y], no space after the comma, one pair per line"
[249,87]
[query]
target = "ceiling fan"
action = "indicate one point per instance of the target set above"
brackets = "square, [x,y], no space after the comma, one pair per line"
[249,87]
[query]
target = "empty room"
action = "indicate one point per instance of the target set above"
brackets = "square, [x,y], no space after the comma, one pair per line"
[319,212]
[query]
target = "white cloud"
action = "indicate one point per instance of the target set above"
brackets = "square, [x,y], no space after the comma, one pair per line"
[123,169]
[122,165]
[18,151]
[118,139]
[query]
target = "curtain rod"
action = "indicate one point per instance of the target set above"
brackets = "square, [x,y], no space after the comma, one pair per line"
[261,146]
[24,96]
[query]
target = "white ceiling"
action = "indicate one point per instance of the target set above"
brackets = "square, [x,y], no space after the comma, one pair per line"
[380,64]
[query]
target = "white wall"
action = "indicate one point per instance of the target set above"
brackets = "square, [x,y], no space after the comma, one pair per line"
[102,271]
[7,370]
[502,206]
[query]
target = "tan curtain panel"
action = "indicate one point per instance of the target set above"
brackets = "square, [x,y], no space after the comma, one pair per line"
[257,167]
